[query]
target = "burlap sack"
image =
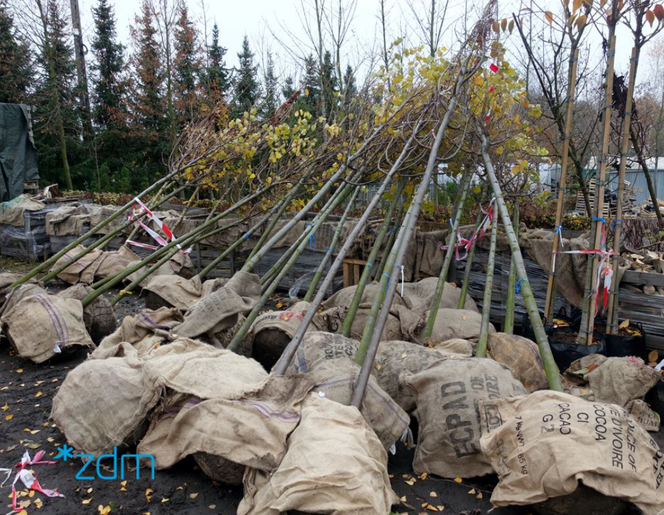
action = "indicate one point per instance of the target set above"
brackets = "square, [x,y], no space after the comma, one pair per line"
[175,290]
[543,445]
[446,396]
[114,262]
[12,212]
[102,404]
[273,331]
[98,315]
[644,415]
[396,357]
[81,271]
[522,357]
[419,296]
[456,346]
[334,464]
[193,367]
[317,347]
[456,323]
[576,372]
[221,309]
[344,297]
[251,430]
[620,380]
[179,264]
[138,330]
[39,325]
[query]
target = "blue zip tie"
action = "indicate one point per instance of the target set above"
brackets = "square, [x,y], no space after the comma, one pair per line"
[518,284]
[247,235]
[330,250]
[614,222]
[558,229]
[599,219]
[369,264]
[385,274]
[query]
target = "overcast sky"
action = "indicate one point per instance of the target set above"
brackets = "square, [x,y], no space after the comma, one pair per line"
[262,20]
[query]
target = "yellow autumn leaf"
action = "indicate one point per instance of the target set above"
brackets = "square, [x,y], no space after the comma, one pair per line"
[5,407]
[103,510]
[653,356]
[458,480]
[9,417]
[624,324]
[86,501]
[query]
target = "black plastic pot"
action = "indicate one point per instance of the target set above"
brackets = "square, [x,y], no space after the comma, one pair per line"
[565,353]
[655,398]
[618,346]
[527,327]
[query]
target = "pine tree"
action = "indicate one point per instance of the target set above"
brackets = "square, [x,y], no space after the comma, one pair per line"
[149,112]
[218,76]
[14,62]
[288,89]
[247,89]
[311,99]
[110,86]
[330,86]
[350,88]
[56,116]
[271,98]
[187,68]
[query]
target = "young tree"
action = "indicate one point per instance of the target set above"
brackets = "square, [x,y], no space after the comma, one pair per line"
[218,75]
[247,88]
[288,88]
[271,97]
[14,61]
[187,68]
[311,99]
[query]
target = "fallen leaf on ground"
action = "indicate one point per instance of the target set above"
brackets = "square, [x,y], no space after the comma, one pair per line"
[5,407]
[458,480]
[86,501]
[9,417]
[193,496]
[472,492]
[433,494]
[103,510]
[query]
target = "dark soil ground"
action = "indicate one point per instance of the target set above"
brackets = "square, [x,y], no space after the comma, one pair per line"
[26,393]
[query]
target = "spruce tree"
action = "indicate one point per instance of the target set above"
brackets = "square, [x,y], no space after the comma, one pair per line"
[14,62]
[330,86]
[56,116]
[350,87]
[288,89]
[271,97]
[110,86]
[247,89]
[218,76]
[311,94]
[149,112]
[187,69]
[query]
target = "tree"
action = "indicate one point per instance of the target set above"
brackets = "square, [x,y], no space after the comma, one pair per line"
[56,113]
[350,88]
[271,97]
[218,76]
[247,89]
[149,114]
[14,62]
[330,85]
[311,100]
[110,87]
[288,88]
[187,68]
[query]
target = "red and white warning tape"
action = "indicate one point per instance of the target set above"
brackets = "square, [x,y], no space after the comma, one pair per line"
[479,232]
[28,478]
[144,210]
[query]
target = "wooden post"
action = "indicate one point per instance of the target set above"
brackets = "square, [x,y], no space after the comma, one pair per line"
[600,185]
[612,315]
[558,234]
